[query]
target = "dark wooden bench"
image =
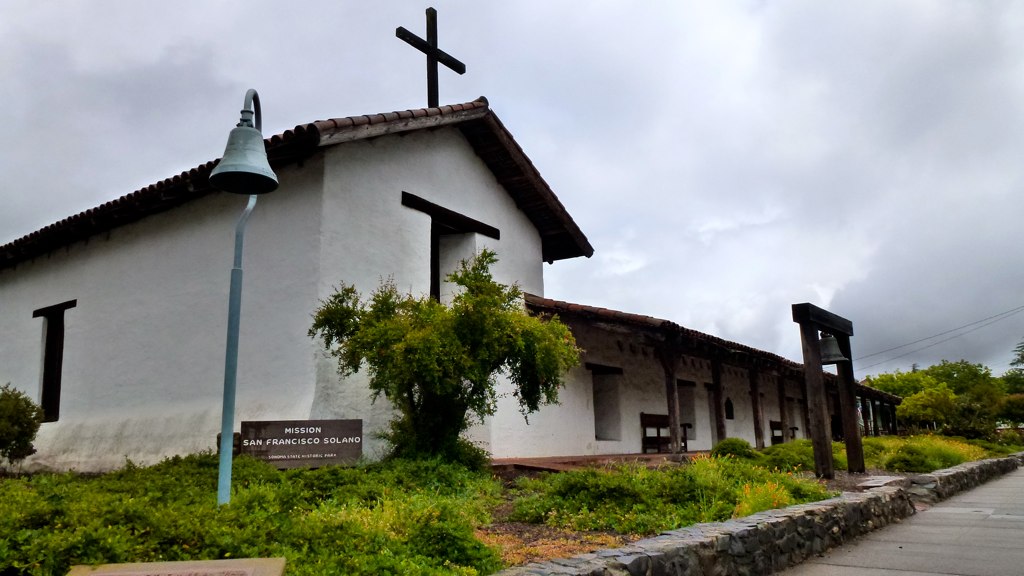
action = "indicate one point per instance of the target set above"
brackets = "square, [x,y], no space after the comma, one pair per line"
[778,434]
[655,435]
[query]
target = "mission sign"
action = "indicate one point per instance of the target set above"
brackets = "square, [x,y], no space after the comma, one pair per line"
[303,443]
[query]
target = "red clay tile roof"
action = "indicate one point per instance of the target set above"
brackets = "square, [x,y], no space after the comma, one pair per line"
[560,236]
[699,343]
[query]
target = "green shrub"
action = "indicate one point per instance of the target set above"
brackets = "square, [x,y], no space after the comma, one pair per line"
[634,499]
[909,458]
[437,363]
[391,518]
[797,455]
[874,446]
[885,452]
[759,497]
[20,419]
[1011,438]
[839,456]
[737,447]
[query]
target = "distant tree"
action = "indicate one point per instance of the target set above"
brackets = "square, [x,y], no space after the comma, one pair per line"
[964,377]
[1013,379]
[979,395]
[20,419]
[971,409]
[437,364]
[1018,356]
[1012,410]
[902,384]
[933,406]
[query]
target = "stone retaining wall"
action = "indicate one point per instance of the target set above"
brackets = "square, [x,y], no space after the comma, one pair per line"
[767,542]
[942,484]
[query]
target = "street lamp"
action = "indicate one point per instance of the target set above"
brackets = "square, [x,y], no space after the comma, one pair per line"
[244,169]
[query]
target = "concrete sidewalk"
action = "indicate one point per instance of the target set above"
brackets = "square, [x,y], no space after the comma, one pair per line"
[976,533]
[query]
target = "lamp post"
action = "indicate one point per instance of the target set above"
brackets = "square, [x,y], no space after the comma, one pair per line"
[244,169]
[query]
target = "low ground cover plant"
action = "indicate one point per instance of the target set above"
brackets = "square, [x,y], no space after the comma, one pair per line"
[635,499]
[397,517]
[920,453]
[794,456]
[394,518]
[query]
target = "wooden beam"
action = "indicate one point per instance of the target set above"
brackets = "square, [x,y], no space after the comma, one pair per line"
[817,410]
[669,354]
[669,357]
[718,399]
[755,402]
[822,319]
[848,410]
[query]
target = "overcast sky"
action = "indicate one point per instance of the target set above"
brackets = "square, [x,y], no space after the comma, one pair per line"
[726,159]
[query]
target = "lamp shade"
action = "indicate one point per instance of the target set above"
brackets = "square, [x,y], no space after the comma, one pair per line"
[244,169]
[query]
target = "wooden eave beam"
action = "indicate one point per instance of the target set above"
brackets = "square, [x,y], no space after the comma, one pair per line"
[807,313]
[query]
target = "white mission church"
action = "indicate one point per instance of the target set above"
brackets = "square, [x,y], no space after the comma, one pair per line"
[114,319]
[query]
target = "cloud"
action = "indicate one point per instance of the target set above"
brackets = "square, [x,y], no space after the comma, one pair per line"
[726,160]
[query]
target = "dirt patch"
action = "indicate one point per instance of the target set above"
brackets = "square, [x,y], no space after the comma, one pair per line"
[524,543]
[846,482]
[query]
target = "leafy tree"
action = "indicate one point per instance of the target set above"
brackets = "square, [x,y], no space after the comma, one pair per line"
[437,364]
[979,395]
[20,419]
[1012,410]
[1018,356]
[965,378]
[961,397]
[1013,379]
[936,405]
[902,384]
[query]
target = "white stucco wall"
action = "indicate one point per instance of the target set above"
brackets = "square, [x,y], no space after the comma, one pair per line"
[144,347]
[569,429]
[371,236]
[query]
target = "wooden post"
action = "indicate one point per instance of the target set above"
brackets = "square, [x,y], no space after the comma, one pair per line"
[755,402]
[876,412]
[718,398]
[817,410]
[865,415]
[669,356]
[805,416]
[783,409]
[848,409]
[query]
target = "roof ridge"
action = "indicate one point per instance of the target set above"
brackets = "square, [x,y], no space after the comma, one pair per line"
[613,315]
[561,240]
[361,119]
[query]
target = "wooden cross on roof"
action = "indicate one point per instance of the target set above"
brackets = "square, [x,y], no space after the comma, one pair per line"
[434,55]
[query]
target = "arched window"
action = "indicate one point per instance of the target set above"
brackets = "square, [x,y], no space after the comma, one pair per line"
[730,413]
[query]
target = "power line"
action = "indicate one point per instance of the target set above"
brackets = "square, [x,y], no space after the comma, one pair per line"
[985,322]
[1008,313]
